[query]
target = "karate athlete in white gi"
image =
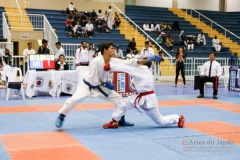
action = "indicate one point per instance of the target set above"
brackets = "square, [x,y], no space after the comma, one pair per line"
[94,83]
[146,99]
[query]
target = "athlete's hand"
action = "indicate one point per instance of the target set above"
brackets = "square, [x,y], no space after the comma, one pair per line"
[107,67]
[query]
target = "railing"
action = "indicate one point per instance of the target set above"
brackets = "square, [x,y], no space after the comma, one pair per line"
[19,8]
[139,28]
[213,22]
[6,31]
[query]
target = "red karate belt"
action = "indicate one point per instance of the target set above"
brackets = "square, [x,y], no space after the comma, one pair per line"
[138,98]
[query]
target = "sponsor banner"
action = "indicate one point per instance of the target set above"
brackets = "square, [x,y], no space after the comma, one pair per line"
[123,83]
[234,78]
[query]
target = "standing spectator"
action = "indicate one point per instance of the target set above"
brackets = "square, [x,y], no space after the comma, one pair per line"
[118,53]
[201,40]
[232,59]
[26,53]
[210,72]
[43,48]
[7,57]
[61,64]
[91,52]
[60,51]
[175,26]
[89,29]
[180,59]
[146,52]
[132,45]
[109,17]
[71,7]
[82,55]
[216,44]
[99,25]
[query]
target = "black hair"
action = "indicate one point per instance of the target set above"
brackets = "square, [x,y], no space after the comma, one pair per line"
[44,41]
[105,45]
[58,43]
[212,53]
[29,43]
[147,42]
[61,55]
[83,42]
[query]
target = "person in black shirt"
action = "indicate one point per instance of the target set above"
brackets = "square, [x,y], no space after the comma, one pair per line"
[7,58]
[43,48]
[132,45]
[180,59]
[61,64]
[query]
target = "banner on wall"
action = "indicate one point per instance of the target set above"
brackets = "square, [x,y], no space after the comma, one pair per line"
[123,84]
[234,78]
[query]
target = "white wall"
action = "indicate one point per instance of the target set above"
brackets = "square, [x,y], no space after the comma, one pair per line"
[155,3]
[233,5]
[199,4]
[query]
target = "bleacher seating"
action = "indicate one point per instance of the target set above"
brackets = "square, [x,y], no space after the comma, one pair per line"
[139,14]
[1,29]
[229,20]
[57,20]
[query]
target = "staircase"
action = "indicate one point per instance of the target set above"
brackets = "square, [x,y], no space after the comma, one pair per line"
[17,21]
[226,41]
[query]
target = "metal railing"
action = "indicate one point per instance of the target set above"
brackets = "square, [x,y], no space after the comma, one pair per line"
[213,22]
[6,31]
[139,28]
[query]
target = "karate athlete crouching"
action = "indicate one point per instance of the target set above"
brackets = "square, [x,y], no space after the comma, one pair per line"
[146,99]
[94,83]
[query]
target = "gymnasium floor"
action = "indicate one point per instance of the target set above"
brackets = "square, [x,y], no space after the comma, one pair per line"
[212,130]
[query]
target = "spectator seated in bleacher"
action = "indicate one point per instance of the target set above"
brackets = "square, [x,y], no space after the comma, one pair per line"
[93,15]
[89,29]
[99,25]
[169,42]
[76,18]
[77,30]
[117,20]
[159,27]
[69,26]
[182,38]
[146,27]
[216,44]
[167,27]
[175,26]
[100,14]
[190,42]
[118,53]
[61,64]
[130,55]
[105,27]
[201,40]
[70,8]
[159,40]
[152,26]
[7,58]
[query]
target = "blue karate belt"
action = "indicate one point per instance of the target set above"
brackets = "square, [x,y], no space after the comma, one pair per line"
[95,87]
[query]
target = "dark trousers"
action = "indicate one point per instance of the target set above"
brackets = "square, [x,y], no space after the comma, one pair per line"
[178,69]
[205,79]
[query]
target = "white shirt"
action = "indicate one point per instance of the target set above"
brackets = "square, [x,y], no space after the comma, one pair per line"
[216,69]
[82,55]
[109,11]
[145,26]
[145,53]
[59,52]
[27,52]
[89,26]
[215,42]
[61,65]
[71,7]
[130,56]
[75,28]
[201,38]
[91,54]
[119,53]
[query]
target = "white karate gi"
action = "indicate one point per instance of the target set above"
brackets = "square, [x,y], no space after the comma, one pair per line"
[95,76]
[109,18]
[216,45]
[143,82]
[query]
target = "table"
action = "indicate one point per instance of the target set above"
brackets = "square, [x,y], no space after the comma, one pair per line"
[53,82]
[234,78]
